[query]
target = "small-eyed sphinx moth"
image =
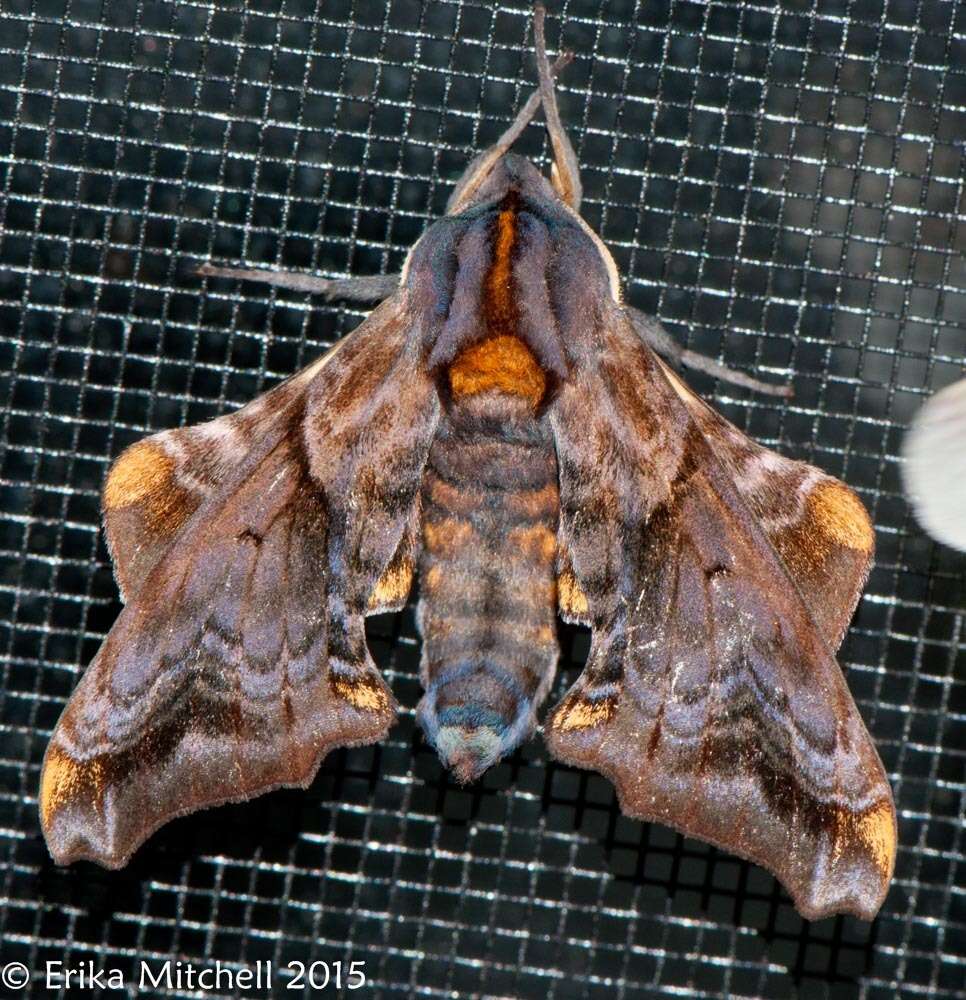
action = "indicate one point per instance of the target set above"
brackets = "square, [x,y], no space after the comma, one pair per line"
[502,427]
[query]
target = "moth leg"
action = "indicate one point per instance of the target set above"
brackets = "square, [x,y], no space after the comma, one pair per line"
[565,172]
[480,167]
[661,342]
[362,288]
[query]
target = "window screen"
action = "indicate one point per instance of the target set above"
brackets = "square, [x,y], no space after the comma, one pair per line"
[780,182]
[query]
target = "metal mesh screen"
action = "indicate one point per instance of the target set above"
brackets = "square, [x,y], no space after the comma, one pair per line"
[780,182]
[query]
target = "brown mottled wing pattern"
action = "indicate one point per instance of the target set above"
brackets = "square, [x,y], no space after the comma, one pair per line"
[817,525]
[155,486]
[251,549]
[711,697]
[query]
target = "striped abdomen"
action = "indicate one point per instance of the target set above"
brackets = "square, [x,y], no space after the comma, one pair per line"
[487,580]
[490,503]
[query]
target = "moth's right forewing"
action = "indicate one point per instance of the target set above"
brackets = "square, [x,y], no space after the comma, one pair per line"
[240,660]
[817,525]
[710,697]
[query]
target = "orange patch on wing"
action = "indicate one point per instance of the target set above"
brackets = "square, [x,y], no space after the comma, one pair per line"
[394,584]
[582,713]
[144,469]
[143,476]
[570,598]
[502,363]
[874,830]
[537,541]
[65,778]
[363,692]
[839,514]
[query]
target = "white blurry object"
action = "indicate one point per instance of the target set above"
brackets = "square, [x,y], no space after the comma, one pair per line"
[934,465]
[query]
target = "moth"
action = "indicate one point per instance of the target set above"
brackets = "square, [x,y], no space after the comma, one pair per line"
[502,426]
[934,465]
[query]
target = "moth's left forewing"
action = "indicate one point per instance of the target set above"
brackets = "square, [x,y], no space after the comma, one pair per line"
[711,697]
[240,659]
[157,484]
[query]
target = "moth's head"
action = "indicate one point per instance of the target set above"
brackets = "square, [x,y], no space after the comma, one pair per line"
[511,172]
[499,181]
[495,171]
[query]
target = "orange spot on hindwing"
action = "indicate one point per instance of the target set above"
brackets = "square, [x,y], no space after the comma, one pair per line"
[394,584]
[144,477]
[580,712]
[873,831]
[364,692]
[392,588]
[571,599]
[876,829]
[839,514]
[142,470]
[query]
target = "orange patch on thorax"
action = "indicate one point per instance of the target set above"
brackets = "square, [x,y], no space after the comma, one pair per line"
[501,361]
[498,297]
